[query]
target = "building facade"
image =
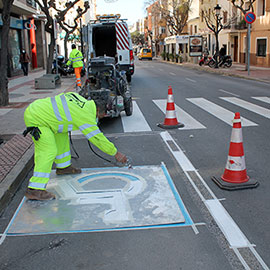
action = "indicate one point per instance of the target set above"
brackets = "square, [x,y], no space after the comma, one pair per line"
[233,36]
[25,33]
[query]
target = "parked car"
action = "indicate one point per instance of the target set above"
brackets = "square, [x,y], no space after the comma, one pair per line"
[145,53]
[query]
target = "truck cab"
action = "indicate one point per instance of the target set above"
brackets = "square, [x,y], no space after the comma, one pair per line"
[108,35]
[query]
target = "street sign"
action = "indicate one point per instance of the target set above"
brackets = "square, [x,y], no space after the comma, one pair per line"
[250,17]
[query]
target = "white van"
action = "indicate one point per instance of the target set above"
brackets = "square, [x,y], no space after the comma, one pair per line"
[108,35]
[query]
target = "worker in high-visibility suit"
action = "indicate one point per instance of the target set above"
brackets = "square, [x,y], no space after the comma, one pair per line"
[49,120]
[76,59]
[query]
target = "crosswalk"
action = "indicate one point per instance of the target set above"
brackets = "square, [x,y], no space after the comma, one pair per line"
[137,122]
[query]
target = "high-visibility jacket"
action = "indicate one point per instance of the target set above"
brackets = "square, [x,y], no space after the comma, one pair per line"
[75,58]
[67,112]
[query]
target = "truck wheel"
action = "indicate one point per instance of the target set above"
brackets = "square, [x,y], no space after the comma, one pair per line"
[128,106]
[128,78]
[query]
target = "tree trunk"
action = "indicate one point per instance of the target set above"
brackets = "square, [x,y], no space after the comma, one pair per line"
[65,46]
[4,97]
[51,54]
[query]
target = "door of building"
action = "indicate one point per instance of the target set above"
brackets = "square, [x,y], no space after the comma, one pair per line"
[235,49]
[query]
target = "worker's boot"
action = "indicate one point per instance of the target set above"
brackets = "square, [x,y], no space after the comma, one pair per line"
[39,195]
[68,170]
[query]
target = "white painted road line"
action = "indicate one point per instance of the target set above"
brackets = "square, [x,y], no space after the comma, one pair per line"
[188,79]
[225,222]
[263,99]
[230,229]
[248,106]
[219,112]
[182,116]
[4,111]
[227,92]
[136,122]
[172,73]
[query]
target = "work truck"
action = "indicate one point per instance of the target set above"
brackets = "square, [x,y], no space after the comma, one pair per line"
[108,35]
[109,64]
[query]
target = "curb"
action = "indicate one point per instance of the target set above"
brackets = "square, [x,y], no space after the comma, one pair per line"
[15,177]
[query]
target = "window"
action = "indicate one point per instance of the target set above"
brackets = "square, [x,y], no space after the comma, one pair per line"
[261,7]
[261,47]
[190,30]
[202,16]
[195,29]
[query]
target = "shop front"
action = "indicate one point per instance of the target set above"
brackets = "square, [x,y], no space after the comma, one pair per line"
[14,46]
[177,45]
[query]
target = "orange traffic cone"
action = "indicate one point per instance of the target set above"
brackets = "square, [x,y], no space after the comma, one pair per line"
[170,118]
[235,173]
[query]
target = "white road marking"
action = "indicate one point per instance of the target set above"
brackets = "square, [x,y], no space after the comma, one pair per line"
[227,92]
[219,112]
[136,122]
[182,116]
[264,99]
[248,106]
[230,229]
[188,79]
[227,225]
[4,111]
[172,73]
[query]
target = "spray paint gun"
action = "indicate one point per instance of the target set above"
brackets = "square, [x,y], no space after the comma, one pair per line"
[127,164]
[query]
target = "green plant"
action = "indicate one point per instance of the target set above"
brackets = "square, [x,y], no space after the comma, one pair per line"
[163,55]
[168,56]
[177,57]
[171,56]
[180,58]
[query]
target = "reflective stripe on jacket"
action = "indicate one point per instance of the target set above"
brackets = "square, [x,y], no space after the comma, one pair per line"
[75,58]
[67,112]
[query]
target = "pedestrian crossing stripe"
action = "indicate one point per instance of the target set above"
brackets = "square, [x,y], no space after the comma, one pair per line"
[219,112]
[182,116]
[263,99]
[136,122]
[248,106]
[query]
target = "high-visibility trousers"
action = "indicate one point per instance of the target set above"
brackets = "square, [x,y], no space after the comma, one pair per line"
[48,149]
[77,71]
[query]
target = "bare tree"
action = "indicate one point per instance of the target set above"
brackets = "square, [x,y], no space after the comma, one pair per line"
[175,12]
[69,29]
[244,6]
[4,97]
[47,6]
[215,23]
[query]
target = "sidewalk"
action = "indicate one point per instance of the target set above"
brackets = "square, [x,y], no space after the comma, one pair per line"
[16,153]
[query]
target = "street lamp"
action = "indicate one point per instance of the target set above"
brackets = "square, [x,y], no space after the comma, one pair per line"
[217,9]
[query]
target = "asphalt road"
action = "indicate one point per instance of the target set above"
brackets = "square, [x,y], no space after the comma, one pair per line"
[231,228]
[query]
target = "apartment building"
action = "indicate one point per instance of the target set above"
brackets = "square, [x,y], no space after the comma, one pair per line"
[259,38]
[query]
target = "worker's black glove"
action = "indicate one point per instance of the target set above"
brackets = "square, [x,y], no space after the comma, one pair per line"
[34,131]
